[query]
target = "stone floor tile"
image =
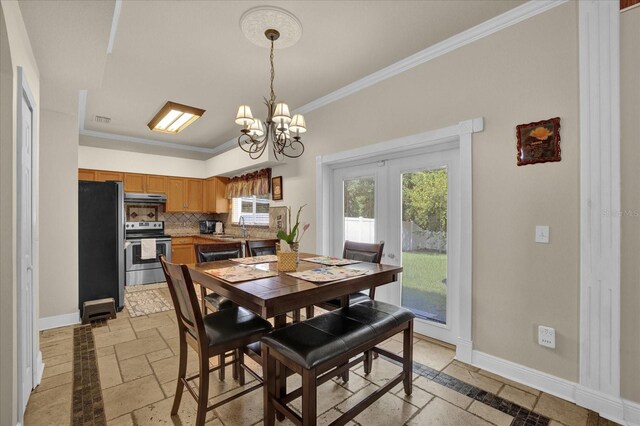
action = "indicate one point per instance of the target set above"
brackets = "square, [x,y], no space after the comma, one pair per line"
[388,410]
[440,413]
[418,397]
[54,381]
[141,346]
[330,394]
[443,392]
[563,411]
[54,370]
[159,413]
[130,396]
[125,420]
[149,332]
[158,355]
[106,350]
[166,370]
[520,397]
[151,321]
[109,371]
[120,323]
[134,368]
[329,417]
[242,411]
[511,383]
[115,337]
[61,347]
[473,378]
[432,355]
[58,359]
[50,404]
[168,331]
[382,371]
[490,414]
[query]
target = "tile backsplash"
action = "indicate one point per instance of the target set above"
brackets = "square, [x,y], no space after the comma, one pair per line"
[188,222]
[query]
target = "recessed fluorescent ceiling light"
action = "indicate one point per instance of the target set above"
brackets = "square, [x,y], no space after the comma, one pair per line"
[174,117]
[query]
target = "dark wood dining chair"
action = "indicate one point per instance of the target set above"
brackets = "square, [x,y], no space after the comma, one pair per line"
[364,252]
[219,333]
[211,253]
[261,247]
[213,301]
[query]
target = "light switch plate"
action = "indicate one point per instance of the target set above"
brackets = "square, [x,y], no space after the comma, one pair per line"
[542,234]
[547,336]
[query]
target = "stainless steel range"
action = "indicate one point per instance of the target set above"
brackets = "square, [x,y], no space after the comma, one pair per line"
[141,270]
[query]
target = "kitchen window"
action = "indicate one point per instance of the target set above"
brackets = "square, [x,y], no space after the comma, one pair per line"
[255,210]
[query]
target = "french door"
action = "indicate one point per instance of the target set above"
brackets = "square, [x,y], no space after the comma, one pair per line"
[412,204]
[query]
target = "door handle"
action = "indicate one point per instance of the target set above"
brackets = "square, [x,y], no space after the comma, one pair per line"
[392,256]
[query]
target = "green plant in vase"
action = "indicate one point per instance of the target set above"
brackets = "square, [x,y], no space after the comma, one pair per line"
[292,235]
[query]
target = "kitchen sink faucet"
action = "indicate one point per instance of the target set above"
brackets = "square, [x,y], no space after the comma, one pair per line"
[243,228]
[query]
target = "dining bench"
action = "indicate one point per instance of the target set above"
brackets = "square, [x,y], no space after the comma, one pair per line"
[321,348]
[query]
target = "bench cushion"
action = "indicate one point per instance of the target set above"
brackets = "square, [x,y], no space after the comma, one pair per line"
[317,340]
[233,324]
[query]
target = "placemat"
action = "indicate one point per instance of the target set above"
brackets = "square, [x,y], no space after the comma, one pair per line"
[239,273]
[323,275]
[331,261]
[252,260]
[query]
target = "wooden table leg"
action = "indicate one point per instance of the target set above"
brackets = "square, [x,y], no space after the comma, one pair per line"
[281,371]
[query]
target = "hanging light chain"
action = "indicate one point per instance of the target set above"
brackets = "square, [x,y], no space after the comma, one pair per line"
[273,95]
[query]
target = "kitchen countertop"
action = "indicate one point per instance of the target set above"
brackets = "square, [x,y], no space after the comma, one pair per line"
[214,237]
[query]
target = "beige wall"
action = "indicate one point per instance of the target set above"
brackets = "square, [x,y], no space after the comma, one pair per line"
[630,250]
[59,226]
[134,162]
[524,73]
[16,51]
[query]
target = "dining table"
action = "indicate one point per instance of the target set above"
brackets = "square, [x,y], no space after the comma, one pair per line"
[275,296]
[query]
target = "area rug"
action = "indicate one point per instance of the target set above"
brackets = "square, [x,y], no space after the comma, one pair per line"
[87,403]
[146,299]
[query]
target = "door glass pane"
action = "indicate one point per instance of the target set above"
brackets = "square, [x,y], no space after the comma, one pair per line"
[424,243]
[359,210]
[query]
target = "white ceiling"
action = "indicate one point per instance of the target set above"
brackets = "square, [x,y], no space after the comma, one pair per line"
[193,52]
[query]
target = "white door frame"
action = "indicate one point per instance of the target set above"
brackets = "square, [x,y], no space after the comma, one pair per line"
[27,306]
[461,133]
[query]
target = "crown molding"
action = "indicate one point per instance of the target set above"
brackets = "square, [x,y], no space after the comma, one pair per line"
[493,25]
[114,26]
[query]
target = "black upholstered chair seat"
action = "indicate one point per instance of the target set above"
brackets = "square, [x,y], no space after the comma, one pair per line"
[216,302]
[317,340]
[362,256]
[233,324]
[263,251]
[353,299]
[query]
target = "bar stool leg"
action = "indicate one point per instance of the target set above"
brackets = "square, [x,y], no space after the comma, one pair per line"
[238,365]
[407,355]
[182,372]
[269,391]
[309,398]
[310,311]
[203,389]
[222,368]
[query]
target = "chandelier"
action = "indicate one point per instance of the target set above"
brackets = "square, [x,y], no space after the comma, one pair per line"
[280,127]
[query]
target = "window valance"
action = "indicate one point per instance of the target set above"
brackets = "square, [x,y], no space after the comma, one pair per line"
[256,183]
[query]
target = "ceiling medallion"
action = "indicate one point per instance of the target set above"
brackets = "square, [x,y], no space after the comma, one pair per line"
[280,128]
[254,22]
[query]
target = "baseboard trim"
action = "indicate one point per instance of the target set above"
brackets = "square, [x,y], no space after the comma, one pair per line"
[631,412]
[56,321]
[464,351]
[607,406]
[612,408]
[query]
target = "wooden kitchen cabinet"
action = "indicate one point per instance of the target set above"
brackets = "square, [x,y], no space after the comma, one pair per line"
[86,174]
[145,184]
[182,250]
[134,182]
[103,176]
[214,191]
[155,184]
[184,195]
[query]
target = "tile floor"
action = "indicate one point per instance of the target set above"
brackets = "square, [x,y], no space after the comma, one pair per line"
[137,359]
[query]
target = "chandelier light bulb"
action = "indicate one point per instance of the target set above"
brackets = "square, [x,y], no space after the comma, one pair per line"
[256,129]
[297,124]
[281,113]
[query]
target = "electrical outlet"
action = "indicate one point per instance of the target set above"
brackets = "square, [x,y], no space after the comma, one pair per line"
[547,336]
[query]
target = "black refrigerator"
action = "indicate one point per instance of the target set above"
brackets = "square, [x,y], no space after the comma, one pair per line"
[101,242]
